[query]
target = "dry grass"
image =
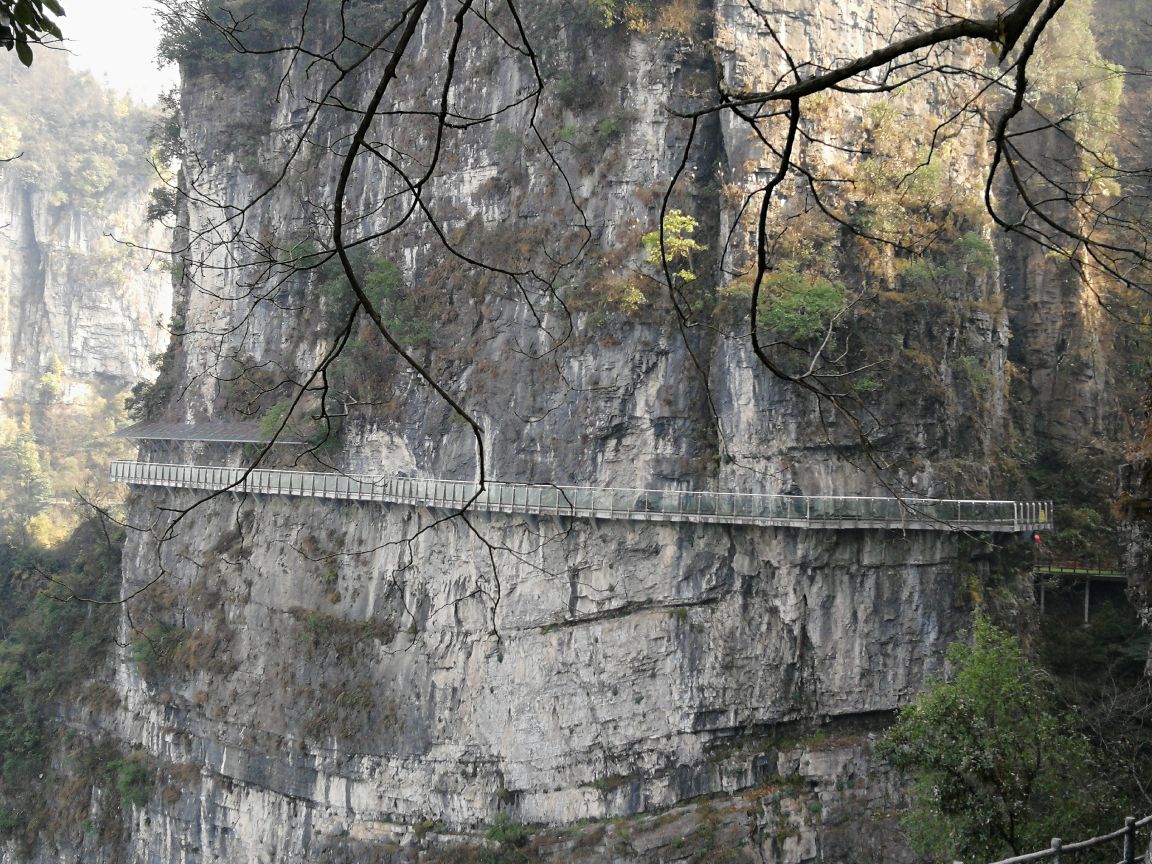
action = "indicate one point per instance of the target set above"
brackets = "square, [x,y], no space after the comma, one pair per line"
[678,16]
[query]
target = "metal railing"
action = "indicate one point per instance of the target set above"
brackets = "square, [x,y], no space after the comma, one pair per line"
[734,508]
[1092,569]
[1127,838]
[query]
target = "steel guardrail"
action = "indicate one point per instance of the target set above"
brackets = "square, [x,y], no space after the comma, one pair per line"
[733,508]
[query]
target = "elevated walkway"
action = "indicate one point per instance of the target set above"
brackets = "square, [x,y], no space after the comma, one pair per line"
[1078,570]
[1062,576]
[729,508]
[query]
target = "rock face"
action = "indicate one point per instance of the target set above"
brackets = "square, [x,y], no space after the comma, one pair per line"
[371,682]
[641,670]
[81,297]
[69,292]
[1135,488]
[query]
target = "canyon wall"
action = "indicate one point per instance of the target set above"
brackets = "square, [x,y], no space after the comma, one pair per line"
[72,296]
[82,297]
[314,680]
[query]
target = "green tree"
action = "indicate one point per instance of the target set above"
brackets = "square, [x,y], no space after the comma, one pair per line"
[27,489]
[52,381]
[384,287]
[995,770]
[79,143]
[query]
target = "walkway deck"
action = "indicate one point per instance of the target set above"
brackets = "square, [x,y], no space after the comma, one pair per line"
[730,508]
[1079,570]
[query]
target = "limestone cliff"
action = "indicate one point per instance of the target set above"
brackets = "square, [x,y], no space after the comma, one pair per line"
[71,293]
[76,301]
[368,682]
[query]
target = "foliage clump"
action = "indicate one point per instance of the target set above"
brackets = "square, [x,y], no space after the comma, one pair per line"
[505,829]
[27,489]
[134,778]
[1074,84]
[154,649]
[995,769]
[339,635]
[800,306]
[803,293]
[383,284]
[666,17]
[676,246]
[205,37]
[30,22]
[148,399]
[78,143]
[49,647]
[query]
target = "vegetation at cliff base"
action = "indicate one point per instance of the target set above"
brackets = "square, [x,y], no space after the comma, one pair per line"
[51,647]
[49,451]
[996,769]
[1098,674]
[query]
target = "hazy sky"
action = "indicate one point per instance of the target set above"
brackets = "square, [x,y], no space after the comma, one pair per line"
[116,41]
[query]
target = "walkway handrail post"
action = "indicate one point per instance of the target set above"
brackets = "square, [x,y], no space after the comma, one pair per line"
[1057,845]
[1130,840]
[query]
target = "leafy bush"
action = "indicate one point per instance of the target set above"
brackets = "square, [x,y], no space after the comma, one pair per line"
[155,649]
[799,306]
[52,381]
[676,245]
[134,778]
[331,632]
[642,16]
[955,261]
[505,829]
[275,419]
[383,284]
[980,379]
[995,769]
[161,204]
[148,399]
